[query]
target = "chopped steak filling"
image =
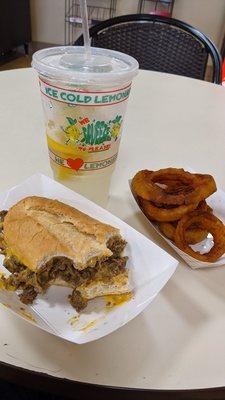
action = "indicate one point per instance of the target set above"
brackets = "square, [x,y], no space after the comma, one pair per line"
[62,268]
[32,283]
[2,215]
[77,301]
[116,245]
[28,294]
[58,267]
[13,265]
[2,243]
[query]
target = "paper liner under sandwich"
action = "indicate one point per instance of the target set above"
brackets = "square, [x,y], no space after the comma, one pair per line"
[217,203]
[149,268]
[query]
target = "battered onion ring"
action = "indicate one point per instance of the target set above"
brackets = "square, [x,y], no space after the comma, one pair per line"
[168,229]
[161,214]
[144,184]
[182,187]
[206,186]
[206,221]
[203,206]
[193,235]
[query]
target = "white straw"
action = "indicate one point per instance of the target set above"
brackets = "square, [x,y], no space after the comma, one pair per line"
[84,16]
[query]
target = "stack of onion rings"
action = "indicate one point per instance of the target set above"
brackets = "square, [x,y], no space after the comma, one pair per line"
[172,196]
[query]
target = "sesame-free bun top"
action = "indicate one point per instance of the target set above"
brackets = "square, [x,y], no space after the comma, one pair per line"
[37,229]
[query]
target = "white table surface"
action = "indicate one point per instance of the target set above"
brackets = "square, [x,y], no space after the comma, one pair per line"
[179,341]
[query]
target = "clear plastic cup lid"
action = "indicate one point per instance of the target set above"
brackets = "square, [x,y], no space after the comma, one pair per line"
[70,64]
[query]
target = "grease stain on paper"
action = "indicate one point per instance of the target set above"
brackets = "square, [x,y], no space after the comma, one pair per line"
[27,315]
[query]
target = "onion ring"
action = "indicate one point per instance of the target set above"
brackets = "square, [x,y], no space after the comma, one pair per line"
[206,221]
[205,188]
[193,235]
[168,229]
[182,187]
[161,214]
[144,184]
[203,206]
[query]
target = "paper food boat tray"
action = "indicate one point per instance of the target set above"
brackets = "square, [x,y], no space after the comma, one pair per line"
[217,203]
[149,268]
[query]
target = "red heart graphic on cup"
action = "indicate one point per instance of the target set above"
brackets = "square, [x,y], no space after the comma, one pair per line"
[75,164]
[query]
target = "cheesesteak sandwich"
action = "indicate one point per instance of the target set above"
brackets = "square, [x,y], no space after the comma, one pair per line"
[46,242]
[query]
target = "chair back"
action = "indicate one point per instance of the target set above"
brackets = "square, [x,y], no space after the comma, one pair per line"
[159,44]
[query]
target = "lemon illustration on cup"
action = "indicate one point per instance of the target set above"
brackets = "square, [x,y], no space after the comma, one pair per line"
[116,127]
[72,131]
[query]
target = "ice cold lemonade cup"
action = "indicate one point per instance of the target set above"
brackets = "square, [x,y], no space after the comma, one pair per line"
[84,101]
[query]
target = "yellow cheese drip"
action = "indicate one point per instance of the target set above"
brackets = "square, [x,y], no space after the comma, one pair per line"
[116,300]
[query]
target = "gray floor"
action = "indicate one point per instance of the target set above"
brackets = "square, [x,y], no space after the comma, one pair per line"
[9,391]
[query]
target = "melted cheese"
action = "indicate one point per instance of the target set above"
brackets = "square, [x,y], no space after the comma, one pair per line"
[6,305]
[73,320]
[27,315]
[116,300]
[4,285]
[10,253]
[88,326]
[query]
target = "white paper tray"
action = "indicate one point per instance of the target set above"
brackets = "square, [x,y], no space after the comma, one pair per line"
[150,268]
[217,203]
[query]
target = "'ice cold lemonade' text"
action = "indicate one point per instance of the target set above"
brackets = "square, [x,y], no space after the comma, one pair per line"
[77,97]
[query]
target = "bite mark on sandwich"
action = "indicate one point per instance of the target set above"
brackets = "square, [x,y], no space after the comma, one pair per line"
[46,242]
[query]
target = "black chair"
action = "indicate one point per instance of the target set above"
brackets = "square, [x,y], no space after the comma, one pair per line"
[159,44]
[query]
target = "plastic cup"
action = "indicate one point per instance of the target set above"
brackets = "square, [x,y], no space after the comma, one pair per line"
[84,101]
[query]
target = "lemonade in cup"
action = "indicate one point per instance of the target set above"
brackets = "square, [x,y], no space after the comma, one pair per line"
[84,102]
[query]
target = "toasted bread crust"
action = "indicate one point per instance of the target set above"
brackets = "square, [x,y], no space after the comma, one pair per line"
[36,229]
[117,285]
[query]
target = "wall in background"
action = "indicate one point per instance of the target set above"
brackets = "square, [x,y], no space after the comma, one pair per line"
[207,15]
[47,21]
[127,7]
